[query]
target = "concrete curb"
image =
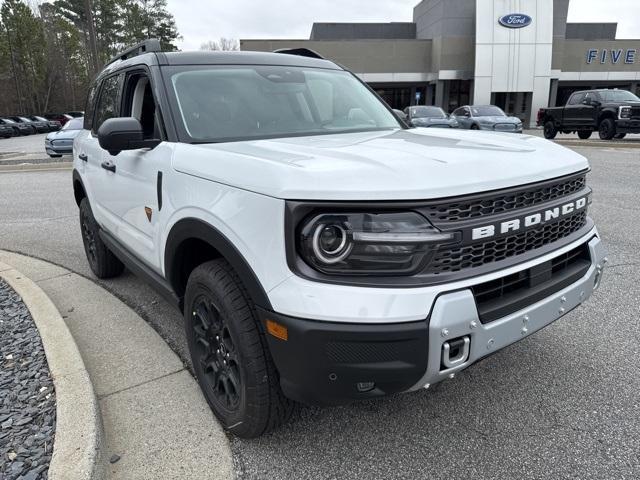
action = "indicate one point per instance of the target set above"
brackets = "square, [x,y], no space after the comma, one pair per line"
[598,144]
[35,166]
[77,449]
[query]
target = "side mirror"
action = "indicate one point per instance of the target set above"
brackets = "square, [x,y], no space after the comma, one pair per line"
[123,133]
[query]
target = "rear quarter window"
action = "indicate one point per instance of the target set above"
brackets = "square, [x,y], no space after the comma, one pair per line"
[90,107]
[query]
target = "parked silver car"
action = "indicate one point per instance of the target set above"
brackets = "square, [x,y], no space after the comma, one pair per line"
[61,142]
[429,117]
[486,117]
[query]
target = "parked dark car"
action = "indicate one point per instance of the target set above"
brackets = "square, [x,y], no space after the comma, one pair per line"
[430,117]
[38,127]
[60,143]
[19,128]
[612,113]
[54,125]
[76,114]
[6,131]
[486,117]
[60,117]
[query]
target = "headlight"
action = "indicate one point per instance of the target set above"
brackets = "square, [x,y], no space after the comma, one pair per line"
[624,112]
[369,243]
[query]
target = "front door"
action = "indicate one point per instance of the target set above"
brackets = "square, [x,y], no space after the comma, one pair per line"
[140,174]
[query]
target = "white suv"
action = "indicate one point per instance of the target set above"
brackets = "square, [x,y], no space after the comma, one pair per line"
[320,250]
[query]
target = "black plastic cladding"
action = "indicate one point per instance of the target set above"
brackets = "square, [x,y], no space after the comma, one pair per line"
[463,260]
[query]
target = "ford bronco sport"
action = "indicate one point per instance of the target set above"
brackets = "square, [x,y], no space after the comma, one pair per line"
[321,251]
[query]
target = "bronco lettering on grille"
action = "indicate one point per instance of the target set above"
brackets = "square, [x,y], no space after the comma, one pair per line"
[522,223]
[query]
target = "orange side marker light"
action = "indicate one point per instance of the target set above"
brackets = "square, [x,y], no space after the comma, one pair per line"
[277,330]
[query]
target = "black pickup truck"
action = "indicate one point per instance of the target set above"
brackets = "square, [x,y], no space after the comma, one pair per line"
[612,113]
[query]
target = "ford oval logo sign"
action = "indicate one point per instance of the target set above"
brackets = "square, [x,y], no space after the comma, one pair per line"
[515,20]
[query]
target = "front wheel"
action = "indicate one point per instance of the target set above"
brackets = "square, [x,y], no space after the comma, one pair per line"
[229,353]
[607,129]
[550,130]
[584,134]
[475,127]
[103,263]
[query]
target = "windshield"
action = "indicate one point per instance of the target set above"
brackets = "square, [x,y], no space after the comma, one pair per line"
[619,96]
[488,111]
[24,119]
[8,120]
[40,119]
[427,112]
[228,103]
[75,124]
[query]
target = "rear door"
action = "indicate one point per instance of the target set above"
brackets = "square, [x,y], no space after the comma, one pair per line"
[573,111]
[100,173]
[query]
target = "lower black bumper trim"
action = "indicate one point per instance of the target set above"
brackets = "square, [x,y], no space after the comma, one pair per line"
[322,363]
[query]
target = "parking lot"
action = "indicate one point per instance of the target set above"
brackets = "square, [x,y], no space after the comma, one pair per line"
[560,404]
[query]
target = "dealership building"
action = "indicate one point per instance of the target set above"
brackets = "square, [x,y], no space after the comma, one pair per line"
[518,54]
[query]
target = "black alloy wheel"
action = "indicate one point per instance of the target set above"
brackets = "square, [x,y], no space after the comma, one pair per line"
[230,354]
[607,129]
[215,355]
[103,263]
[550,130]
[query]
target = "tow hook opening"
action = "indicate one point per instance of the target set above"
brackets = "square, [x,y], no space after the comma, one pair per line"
[455,352]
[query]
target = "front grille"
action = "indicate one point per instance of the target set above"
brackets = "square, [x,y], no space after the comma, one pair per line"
[491,204]
[479,254]
[498,298]
[504,127]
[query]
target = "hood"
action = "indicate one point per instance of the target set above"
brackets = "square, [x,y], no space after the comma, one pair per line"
[410,164]
[63,134]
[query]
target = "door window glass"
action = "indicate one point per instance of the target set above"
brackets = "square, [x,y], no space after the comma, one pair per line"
[108,104]
[576,98]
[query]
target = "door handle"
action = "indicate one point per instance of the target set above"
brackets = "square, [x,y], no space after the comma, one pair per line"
[109,166]
[83,157]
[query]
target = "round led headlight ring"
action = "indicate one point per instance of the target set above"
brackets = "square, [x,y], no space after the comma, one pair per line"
[331,243]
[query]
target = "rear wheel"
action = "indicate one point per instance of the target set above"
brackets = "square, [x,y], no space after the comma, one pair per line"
[607,129]
[103,263]
[620,136]
[229,353]
[584,134]
[475,127]
[550,130]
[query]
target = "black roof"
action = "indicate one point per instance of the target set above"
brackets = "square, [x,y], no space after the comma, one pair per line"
[220,58]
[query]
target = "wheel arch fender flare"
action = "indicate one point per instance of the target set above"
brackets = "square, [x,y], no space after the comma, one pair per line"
[79,190]
[606,114]
[194,228]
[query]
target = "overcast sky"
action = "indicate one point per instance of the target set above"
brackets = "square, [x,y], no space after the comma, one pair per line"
[202,20]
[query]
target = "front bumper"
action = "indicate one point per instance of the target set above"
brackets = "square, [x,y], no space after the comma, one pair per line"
[328,363]
[628,126]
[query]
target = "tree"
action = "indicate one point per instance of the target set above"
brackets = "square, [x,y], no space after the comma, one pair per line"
[150,19]
[224,44]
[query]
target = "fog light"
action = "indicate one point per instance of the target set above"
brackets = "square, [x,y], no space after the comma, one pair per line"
[366,386]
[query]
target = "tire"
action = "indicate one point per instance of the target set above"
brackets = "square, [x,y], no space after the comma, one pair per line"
[620,136]
[229,352]
[584,134]
[550,130]
[16,132]
[607,129]
[103,263]
[475,127]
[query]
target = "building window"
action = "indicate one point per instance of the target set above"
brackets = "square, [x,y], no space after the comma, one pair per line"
[459,94]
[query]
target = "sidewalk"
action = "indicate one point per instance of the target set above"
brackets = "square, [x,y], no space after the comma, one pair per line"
[156,421]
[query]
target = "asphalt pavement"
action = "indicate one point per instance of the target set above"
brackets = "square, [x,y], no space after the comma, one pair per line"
[562,403]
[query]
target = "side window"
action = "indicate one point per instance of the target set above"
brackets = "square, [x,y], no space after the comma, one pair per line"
[108,104]
[139,103]
[592,96]
[458,112]
[90,107]
[576,98]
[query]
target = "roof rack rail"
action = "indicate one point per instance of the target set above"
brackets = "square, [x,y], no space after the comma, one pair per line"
[301,52]
[150,45]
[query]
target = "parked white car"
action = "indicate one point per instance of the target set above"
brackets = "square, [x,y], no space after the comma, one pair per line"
[320,250]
